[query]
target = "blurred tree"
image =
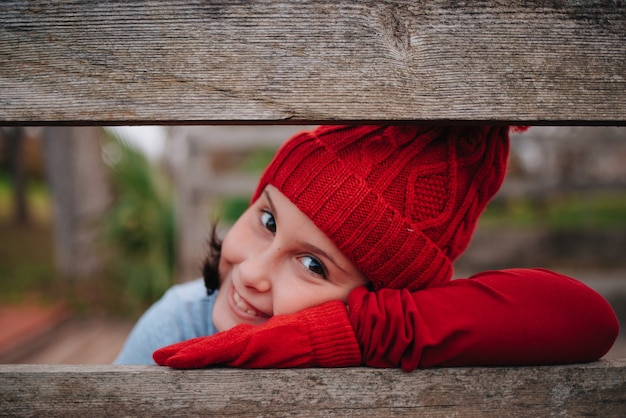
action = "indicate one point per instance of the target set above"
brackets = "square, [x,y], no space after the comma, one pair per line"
[80,193]
[14,137]
[139,227]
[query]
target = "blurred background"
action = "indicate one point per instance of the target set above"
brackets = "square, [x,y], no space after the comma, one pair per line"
[96,223]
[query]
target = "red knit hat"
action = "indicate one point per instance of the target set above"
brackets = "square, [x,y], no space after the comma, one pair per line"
[401,202]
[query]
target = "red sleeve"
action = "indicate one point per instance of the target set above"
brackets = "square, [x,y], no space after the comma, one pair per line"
[508,317]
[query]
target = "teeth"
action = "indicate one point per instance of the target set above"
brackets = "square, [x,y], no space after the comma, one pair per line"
[241,304]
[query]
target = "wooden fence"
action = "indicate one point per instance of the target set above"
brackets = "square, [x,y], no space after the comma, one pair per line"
[596,389]
[84,62]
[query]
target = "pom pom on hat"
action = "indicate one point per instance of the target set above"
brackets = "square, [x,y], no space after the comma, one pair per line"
[401,202]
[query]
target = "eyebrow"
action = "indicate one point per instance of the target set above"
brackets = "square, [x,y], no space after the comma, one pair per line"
[307,245]
[269,199]
[312,248]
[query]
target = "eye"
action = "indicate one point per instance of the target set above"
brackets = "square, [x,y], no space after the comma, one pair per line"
[314,265]
[268,221]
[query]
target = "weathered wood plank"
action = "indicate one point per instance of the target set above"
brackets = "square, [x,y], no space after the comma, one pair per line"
[112,62]
[597,389]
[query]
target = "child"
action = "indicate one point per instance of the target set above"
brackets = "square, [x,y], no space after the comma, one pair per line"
[371,217]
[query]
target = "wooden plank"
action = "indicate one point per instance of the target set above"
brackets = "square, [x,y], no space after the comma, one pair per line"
[597,389]
[112,62]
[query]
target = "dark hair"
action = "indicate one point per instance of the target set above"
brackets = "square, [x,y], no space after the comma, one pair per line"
[210,268]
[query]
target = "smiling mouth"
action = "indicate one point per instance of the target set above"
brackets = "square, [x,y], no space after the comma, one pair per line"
[242,305]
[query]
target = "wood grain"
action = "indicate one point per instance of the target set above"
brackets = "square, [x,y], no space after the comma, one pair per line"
[111,62]
[597,389]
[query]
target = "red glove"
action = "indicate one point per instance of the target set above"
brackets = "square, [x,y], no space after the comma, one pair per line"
[320,336]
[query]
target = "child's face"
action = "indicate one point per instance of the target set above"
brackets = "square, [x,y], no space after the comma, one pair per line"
[275,261]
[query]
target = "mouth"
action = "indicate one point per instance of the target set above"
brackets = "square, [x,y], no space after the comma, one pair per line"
[244,309]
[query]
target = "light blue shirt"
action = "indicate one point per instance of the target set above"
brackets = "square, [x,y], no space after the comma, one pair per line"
[184,312]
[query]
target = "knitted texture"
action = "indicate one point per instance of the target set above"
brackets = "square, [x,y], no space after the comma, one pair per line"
[401,202]
[302,339]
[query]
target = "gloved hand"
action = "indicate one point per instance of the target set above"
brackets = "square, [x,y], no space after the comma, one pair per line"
[316,337]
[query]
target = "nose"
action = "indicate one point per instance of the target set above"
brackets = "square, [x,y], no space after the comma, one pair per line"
[255,272]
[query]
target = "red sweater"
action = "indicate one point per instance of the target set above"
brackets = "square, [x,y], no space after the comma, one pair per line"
[507,317]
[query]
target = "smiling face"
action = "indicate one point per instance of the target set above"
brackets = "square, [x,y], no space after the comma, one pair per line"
[275,261]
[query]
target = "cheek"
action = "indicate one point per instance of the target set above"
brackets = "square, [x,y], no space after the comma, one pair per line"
[230,255]
[232,246]
[287,303]
[222,316]
[223,269]
[225,264]
[299,295]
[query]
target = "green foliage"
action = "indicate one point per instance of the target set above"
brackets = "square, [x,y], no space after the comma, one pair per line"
[559,211]
[26,262]
[37,199]
[601,210]
[231,208]
[258,160]
[140,226]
